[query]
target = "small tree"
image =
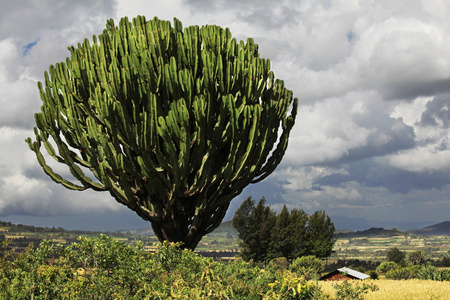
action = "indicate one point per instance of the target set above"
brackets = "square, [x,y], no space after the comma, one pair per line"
[416,257]
[265,235]
[319,235]
[386,266]
[255,227]
[395,255]
[283,243]
[174,123]
[299,220]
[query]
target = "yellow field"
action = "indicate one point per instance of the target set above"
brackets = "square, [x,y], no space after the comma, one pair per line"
[412,289]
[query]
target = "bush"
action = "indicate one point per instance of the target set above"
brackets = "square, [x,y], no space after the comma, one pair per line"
[444,261]
[308,266]
[429,272]
[345,290]
[91,269]
[386,266]
[291,287]
[415,257]
[443,275]
[403,273]
[104,268]
[280,263]
[424,272]
[373,275]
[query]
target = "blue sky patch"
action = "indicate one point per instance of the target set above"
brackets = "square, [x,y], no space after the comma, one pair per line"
[27,47]
[350,36]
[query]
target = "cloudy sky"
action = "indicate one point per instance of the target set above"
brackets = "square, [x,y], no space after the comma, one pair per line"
[372,134]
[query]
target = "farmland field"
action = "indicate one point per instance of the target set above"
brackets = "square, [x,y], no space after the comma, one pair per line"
[374,248]
[370,247]
[399,289]
[347,248]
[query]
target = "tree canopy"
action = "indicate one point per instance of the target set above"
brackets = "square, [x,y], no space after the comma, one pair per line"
[265,235]
[394,254]
[173,122]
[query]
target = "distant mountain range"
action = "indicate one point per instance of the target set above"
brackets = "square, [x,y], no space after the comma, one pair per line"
[224,227]
[355,224]
[437,229]
[343,227]
[371,232]
[340,223]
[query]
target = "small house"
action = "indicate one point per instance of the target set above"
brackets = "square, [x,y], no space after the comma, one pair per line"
[344,274]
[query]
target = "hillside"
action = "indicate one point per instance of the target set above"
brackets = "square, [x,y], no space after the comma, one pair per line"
[225,230]
[226,227]
[372,232]
[223,227]
[442,228]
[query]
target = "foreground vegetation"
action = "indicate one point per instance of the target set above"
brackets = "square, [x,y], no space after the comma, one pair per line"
[104,268]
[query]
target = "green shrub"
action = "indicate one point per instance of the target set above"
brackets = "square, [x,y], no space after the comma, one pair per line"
[279,263]
[308,266]
[386,266]
[415,257]
[292,287]
[444,261]
[346,290]
[429,272]
[403,273]
[103,268]
[90,269]
[443,275]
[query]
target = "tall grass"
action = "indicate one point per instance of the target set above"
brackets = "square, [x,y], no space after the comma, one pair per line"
[412,289]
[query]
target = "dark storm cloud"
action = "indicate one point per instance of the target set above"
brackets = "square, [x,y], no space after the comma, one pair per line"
[437,112]
[402,181]
[415,88]
[391,136]
[373,174]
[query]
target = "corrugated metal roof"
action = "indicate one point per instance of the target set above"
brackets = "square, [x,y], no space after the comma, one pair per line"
[354,273]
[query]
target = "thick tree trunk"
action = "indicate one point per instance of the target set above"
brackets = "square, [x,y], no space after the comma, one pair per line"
[186,228]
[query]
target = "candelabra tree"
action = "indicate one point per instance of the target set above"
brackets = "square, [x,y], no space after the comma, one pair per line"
[173,122]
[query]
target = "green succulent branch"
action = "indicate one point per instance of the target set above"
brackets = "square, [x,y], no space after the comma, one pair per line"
[174,122]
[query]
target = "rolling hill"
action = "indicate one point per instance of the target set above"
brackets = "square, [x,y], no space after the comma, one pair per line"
[372,232]
[442,228]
